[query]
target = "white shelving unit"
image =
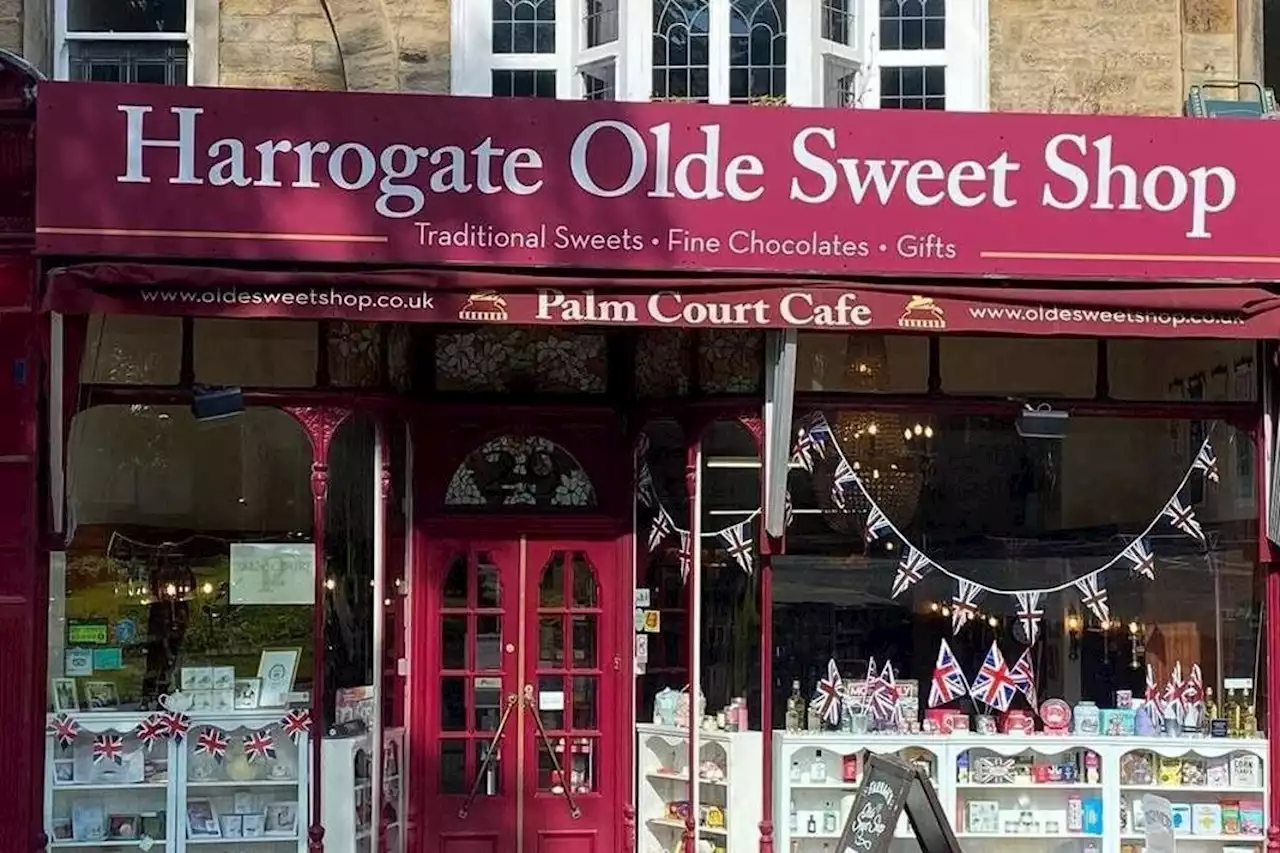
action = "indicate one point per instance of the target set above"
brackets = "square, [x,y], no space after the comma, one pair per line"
[349,804]
[663,778]
[154,788]
[1044,803]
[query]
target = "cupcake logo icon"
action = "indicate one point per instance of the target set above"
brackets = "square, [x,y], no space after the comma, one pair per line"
[922,313]
[484,305]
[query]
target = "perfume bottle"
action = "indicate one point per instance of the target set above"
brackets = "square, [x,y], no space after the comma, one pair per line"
[818,770]
[795,708]
[812,826]
[795,772]
[793,819]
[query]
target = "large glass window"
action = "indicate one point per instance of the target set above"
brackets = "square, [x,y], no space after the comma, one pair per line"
[92,47]
[189,553]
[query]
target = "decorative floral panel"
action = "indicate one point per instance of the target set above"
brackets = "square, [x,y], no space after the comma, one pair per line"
[663,358]
[730,361]
[355,354]
[400,357]
[511,471]
[514,358]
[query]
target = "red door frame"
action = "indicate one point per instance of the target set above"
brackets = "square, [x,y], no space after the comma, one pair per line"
[594,437]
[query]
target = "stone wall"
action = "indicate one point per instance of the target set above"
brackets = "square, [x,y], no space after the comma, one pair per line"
[1107,56]
[365,45]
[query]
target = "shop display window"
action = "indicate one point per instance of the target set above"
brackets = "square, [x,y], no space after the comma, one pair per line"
[256,353]
[187,561]
[132,350]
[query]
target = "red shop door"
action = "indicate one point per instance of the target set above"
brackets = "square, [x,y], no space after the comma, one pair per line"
[521,631]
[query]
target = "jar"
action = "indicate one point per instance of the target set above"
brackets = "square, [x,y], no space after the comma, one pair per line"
[1088,720]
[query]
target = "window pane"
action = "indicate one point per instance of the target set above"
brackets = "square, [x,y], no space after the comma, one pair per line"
[757,50]
[913,88]
[524,26]
[132,350]
[598,82]
[1155,369]
[913,24]
[126,16]
[681,29]
[842,85]
[128,62]
[256,353]
[524,84]
[837,21]
[862,362]
[1041,367]
[601,21]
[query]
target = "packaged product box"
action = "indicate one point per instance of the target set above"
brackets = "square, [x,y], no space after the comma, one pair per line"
[1180,813]
[1206,819]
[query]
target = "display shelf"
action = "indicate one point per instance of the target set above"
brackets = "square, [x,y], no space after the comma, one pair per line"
[732,762]
[348,810]
[1020,756]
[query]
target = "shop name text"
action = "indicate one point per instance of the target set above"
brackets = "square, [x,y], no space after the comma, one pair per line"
[1082,172]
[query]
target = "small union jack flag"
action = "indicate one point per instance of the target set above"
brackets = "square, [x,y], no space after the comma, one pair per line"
[65,729]
[740,546]
[911,569]
[1093,596]
[844,476]
[260,744]
[662,528]
[1139,554]
[108,747]
[1192,692]
[948,679]
[686,554]
[176,726]
[1171,696]
[1153,706]
[1207,462]
[1024,677]
[296,723]
[994,685]
[806,449]
[964,604]
[212,742]
[1183,518]
[827,702]
[1030,612]
[150,730]
[883,695]
[878,525]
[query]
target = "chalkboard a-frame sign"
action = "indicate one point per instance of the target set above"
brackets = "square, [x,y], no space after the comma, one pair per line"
[890,786]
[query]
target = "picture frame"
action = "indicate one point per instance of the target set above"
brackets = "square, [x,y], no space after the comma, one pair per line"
[124,827]
[247,691]
[281,819]
[66,697]
[224,701]
[251,826]
[232,825]
[245,803]
[88,821]
[64,771]
[60,829]
[101,696]
[196,678]
[202,820]
[276,671]
[224,677]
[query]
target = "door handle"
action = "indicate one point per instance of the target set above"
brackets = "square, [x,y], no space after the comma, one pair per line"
[574,811]
[490,755]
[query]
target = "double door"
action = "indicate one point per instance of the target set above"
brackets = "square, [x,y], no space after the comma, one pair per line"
[523,748]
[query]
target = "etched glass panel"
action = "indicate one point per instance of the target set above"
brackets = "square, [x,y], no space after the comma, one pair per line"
[529,360]
[731,361]
[514,471]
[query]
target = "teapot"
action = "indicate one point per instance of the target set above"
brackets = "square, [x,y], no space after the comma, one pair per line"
[177,702]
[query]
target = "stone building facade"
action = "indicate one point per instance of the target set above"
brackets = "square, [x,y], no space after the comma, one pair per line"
[1109,56]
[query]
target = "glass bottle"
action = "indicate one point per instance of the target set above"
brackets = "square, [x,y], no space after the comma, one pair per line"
[795,708]
[818,770]
[812,826]
[828,819]
[1249,715]
[1211,709]
[793,819]
[795,773]
[1235,720]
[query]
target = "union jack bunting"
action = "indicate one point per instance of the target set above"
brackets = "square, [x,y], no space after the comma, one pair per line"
[296,723]
[1024,677]
[1143,561]
[948,679]
[820,432]
[827,702]
[686,554]
[911,569]
[1030,612]
[1207,462]
[964,604]
[65,729]
[843,477]
[1093,596]
[150,730]
[260,744]
[884,696]
[108,747]
[1183,518]
[738,542]
[176,726]
[994,686]
[661,529]
[806,450]
[644,477]
[788,511]
[213,743]
[877,525]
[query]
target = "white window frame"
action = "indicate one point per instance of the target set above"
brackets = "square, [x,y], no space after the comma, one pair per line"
[62,39]
[472,59]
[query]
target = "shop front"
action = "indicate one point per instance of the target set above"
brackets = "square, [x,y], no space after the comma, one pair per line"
[416,488]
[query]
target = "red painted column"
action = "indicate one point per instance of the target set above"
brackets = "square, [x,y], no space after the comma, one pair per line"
[320,425]
[692,439]
[767,547]
[1271,615]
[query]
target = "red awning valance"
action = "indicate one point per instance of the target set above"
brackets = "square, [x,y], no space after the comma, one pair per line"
[451,296]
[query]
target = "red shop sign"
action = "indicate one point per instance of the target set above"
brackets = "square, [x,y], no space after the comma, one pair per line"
[414,179]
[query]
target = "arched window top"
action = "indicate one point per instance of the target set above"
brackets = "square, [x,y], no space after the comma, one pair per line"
[520,471]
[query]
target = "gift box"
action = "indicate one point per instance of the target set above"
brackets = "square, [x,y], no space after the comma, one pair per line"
[1118,722]
[992,770]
